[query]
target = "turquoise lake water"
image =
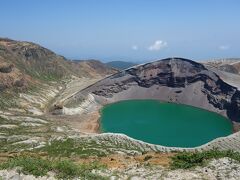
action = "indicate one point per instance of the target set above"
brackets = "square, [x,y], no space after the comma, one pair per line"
[164,123]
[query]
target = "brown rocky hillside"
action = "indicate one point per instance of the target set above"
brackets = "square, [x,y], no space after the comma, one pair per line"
[22,63]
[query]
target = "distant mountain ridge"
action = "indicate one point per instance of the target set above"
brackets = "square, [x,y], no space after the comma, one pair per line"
[120,64]
[96,65]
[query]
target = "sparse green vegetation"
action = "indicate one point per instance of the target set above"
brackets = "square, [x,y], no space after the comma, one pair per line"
[67,148]
[185,160]
[2,120]
[85,147]
[7,100]
[49,77]
[66,169]
[29,165]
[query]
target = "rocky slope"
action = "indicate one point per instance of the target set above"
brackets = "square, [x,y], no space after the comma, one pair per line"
[173,80]
[230,65]
[25,62]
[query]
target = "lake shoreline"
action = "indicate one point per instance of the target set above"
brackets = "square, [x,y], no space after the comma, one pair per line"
[173,106]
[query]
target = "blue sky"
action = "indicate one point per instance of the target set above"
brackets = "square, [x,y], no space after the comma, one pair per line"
[133,30]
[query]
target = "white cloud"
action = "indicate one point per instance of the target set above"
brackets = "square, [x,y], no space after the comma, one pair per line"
[158,45]
[135,47]
[224,47]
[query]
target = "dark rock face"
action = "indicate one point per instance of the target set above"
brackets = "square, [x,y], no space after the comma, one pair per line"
[233,108]
[6,69]
[179,74]
[161,73]
[20,83]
